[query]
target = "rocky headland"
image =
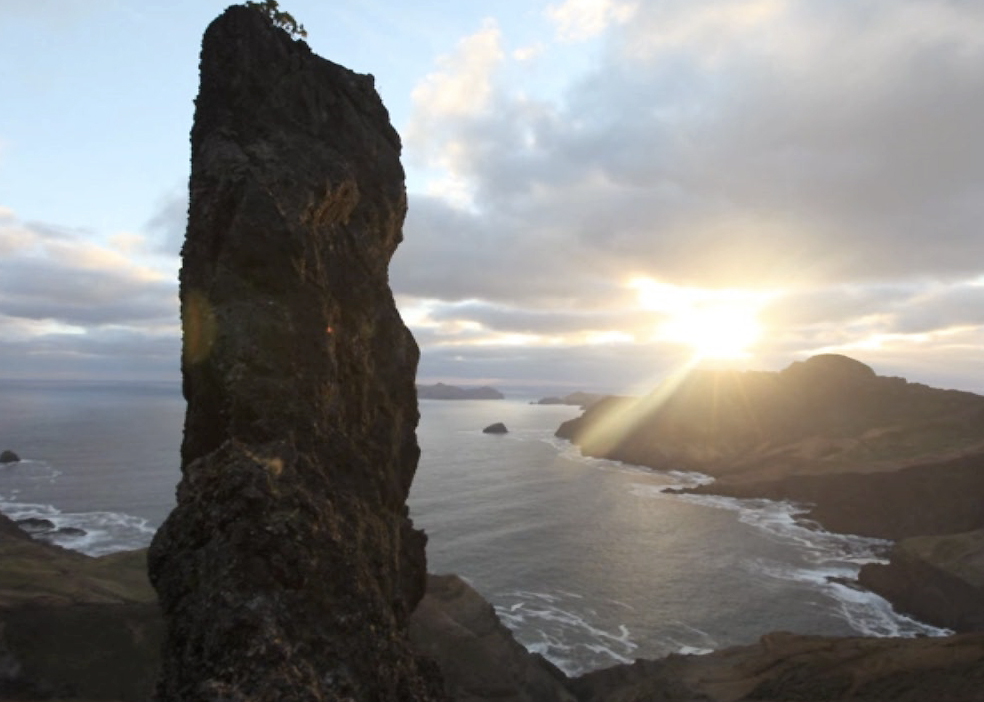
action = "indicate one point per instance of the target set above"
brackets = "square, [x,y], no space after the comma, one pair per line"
[440,391]
[865,454]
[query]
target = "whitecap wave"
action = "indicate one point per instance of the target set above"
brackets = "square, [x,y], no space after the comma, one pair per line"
[92,533]
[557,626]
[830,558]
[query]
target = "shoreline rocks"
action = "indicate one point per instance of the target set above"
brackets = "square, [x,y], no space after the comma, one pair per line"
[9,456]
[497,428]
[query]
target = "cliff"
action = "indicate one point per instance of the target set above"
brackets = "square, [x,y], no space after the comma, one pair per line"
[289,567]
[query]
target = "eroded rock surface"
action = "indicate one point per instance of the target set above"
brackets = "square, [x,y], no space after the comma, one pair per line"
[289,566]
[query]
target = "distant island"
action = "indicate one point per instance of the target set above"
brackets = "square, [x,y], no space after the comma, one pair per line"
[576,399]
[440,391]
[865,454]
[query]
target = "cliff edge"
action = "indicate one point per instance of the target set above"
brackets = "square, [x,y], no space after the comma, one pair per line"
[289,567]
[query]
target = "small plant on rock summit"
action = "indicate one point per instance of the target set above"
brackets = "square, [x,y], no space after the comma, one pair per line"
[279,18]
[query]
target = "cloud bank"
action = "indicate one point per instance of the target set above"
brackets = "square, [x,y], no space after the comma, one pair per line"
[828,152]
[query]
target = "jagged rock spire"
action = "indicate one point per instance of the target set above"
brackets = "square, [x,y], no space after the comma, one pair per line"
[289,566]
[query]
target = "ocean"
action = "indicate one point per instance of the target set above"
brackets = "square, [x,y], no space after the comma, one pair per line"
[588,561]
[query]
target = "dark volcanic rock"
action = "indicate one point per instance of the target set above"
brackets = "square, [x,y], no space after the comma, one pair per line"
[289,566]
[9,457]
[70,531]
[478,656]
[440,391]
[497,428]
[35,525]
[938,579]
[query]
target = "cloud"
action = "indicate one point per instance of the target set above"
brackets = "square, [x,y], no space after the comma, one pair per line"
[70,306]
[830,151]
[577,20]
[844,148]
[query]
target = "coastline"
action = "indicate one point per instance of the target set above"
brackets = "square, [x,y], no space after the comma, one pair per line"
[929,502]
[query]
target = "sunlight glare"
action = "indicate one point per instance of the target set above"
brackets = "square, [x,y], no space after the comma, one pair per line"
[715,323]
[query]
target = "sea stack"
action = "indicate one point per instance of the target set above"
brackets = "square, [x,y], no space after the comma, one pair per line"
[289,567]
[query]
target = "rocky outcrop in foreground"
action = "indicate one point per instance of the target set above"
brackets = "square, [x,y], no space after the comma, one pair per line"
[289,567]
[74,627]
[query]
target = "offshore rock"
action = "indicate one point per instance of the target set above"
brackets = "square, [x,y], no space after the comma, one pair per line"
[289,567]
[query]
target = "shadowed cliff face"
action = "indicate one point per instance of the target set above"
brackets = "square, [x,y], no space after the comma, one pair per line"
[289,567]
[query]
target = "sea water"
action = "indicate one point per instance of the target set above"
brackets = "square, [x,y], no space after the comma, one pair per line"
[588,561]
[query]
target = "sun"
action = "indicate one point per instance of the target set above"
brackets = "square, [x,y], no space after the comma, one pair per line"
[714,330]
[717,323]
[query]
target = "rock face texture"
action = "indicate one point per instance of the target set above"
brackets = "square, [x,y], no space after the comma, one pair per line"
[289,567]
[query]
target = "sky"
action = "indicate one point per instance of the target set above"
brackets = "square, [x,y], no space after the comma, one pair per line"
[600,191]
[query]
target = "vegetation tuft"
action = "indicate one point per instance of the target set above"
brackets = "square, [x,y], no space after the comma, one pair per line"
[279,18]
